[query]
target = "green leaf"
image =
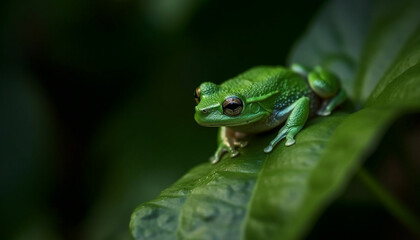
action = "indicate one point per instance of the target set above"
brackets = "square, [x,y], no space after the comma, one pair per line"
[218,196]
[27,143]
[279,195]
[399,87]
[394,26]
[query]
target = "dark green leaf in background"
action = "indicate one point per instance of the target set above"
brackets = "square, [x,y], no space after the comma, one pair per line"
[26,151]
[374,49]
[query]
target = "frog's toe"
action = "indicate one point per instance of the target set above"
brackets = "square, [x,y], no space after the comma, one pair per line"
[268,149]
[218,155]
[289,142]
[324,112]
[213,160]
[240,144]
[234,153]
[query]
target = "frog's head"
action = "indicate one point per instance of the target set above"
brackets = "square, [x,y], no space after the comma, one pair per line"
[218,107]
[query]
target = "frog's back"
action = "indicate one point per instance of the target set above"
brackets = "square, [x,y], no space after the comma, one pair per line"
[259,81]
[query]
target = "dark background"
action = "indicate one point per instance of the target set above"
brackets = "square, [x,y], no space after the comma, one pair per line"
[96,108]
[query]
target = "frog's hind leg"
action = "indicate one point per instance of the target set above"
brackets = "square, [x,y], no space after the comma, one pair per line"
[327,86]
[297,118]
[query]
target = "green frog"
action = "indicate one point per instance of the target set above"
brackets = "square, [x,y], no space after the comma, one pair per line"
[262,99]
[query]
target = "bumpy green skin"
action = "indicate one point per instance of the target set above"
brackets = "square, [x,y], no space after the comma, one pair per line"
[271,96]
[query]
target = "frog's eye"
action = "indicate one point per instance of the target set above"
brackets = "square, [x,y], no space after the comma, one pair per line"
[232,106]
[197,95]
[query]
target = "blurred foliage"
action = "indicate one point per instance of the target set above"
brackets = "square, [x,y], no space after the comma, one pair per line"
[96,101]
[26,152]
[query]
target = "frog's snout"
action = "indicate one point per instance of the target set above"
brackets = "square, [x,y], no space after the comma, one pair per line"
[201,111]
[201,115]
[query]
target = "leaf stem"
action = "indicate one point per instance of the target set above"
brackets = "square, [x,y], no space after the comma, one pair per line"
[395,207]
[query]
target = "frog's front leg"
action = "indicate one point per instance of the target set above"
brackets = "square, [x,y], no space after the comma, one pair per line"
[227,142]
[299,112]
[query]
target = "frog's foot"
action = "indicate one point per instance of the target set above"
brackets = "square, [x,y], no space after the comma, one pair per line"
[324,110]
[293,125]
[329,105]
[234,153]
[220,152]
[290,140]
[268,149]
[286,132]
[240,144]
